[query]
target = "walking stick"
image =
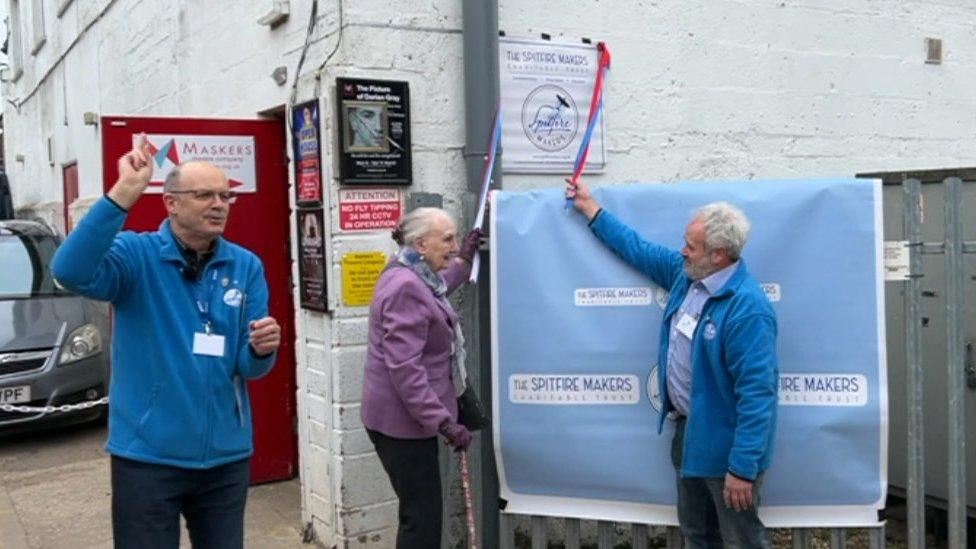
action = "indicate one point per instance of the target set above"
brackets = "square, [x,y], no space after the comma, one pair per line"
[466,483]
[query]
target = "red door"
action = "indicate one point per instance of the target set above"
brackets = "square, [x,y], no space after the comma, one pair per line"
[252,152]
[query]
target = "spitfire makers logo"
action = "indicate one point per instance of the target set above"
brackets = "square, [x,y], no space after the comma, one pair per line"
[550,118]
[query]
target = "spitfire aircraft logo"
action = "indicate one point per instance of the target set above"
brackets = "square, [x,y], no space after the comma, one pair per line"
[550,118]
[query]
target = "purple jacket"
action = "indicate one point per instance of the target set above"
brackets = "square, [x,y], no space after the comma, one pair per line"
[408,387]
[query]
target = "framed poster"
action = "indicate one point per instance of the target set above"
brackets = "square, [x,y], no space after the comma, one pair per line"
[311,267]
[308,153]
[546,88]
[374,128]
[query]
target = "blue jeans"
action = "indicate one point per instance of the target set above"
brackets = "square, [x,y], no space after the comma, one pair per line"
[704,519]
[147,501]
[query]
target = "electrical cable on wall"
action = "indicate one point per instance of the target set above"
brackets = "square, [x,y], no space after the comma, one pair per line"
[318,71]
[313,16]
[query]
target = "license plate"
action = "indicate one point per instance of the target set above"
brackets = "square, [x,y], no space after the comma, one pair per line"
[15,395]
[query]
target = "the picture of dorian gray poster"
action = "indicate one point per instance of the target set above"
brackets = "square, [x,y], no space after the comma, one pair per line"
[366,126]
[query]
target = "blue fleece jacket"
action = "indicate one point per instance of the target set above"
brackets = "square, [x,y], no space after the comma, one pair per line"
[168,405]
[735,371]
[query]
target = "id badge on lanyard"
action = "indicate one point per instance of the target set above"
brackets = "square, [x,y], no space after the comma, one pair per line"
[207,343]
[686,325]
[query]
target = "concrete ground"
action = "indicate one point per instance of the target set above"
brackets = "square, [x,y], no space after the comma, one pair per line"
[54,493]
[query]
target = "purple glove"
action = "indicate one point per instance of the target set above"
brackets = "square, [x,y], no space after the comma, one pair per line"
[457,435]
[470,246]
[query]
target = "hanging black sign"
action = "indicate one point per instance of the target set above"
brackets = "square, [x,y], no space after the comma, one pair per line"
[374,132]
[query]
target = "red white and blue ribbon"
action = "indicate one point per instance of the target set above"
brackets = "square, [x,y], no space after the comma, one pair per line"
[493,144]
[596,109]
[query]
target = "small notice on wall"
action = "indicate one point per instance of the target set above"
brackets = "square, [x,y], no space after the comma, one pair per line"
[363,209]
[311,267]
[360,271]
[896,266]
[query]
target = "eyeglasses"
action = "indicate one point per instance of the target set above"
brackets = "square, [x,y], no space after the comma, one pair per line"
[228,197]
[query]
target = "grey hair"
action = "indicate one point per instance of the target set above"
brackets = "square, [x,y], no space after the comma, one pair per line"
[172,180]
[417,224]
[725,227]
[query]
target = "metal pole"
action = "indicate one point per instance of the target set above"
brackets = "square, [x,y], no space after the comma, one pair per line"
[572,536]
[800,538]
[480,41]
[507,527]
[956,374]
[604,534]
[639,534]
[913,361]
[675,540]
[876,538]
[539,534]
[838,538]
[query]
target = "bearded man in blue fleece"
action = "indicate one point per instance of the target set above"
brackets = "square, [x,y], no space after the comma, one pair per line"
[719,370]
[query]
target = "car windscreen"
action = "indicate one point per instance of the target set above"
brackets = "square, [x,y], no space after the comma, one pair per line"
[26,268]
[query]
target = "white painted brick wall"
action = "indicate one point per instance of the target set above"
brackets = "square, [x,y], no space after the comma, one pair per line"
[347,373]
[699,89]
[370,518]
[360,481]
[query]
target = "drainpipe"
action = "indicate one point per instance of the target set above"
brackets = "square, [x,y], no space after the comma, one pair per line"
[480,33]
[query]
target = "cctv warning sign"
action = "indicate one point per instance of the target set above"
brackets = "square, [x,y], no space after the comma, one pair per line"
[373,209]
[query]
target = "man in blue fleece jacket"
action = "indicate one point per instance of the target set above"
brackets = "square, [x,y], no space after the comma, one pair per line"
[718,368]
[191,327]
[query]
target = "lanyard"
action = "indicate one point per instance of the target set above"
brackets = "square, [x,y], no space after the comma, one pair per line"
[203,302]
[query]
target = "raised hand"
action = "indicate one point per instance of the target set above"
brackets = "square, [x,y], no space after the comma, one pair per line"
[470,245]
[583,201]
[135,172]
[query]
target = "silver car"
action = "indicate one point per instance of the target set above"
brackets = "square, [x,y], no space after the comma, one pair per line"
[54,345]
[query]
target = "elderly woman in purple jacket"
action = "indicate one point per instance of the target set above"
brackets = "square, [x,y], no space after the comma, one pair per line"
[415,367]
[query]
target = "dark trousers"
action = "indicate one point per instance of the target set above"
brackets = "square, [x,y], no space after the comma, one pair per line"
[415,474]
[147,501]
[704,519]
